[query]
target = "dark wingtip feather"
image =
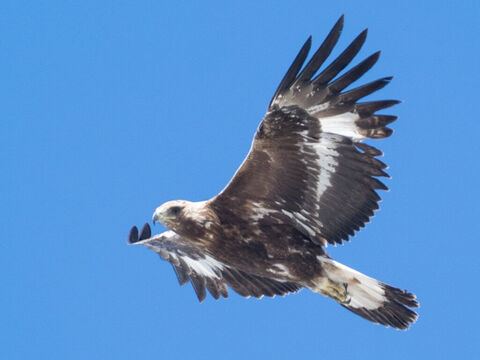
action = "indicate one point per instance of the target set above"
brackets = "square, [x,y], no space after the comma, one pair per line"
[368,108]
[364,90]
[339,24]
[342,60]
[146,232]
[198,284]
[361,37]
[369,150]
[181,270]
[213,288]
[375,121]
[354,74]
[132,237]
[321,54]
[293,70]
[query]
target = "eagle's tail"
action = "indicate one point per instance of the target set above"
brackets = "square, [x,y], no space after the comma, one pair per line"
[365,296]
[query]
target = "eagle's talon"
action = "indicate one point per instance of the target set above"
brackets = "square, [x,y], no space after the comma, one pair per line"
[336,291]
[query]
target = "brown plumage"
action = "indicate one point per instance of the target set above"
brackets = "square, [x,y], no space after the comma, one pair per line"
[308,180]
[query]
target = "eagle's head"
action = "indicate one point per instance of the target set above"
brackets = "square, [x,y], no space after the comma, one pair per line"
[182,215]
[170,212]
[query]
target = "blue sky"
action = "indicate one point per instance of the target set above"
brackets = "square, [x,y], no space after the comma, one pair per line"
[108,109]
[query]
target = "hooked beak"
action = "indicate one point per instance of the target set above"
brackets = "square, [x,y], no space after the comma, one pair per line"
[160,217]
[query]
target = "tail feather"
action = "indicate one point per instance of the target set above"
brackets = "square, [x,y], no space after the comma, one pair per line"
[370,298]
[393,312]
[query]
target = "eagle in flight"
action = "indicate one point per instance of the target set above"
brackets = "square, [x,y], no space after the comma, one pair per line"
[308,181]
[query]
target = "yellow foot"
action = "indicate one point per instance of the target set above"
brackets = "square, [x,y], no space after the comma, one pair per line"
[336,291]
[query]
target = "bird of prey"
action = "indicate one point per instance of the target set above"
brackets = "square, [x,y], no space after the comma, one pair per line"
[309,180]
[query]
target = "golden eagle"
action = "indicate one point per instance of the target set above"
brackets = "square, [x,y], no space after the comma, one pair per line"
[308,180]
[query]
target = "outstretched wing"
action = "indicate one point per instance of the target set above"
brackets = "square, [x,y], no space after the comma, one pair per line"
[205,272]
[308,165]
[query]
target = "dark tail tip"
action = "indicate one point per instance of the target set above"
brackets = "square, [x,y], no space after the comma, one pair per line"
[394,312]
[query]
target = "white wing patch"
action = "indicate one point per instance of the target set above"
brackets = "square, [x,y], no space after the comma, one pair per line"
[279,269]
[327,162]
[300,219]
[204,266]
[312,110]
[342,124]
[260,211]
[208,267]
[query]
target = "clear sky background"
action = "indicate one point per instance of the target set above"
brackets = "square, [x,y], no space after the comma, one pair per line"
[110,108]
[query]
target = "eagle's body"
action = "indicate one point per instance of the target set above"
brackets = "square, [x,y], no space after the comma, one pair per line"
[308,180]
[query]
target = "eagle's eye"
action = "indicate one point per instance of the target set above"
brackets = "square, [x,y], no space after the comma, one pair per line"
[174,210]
